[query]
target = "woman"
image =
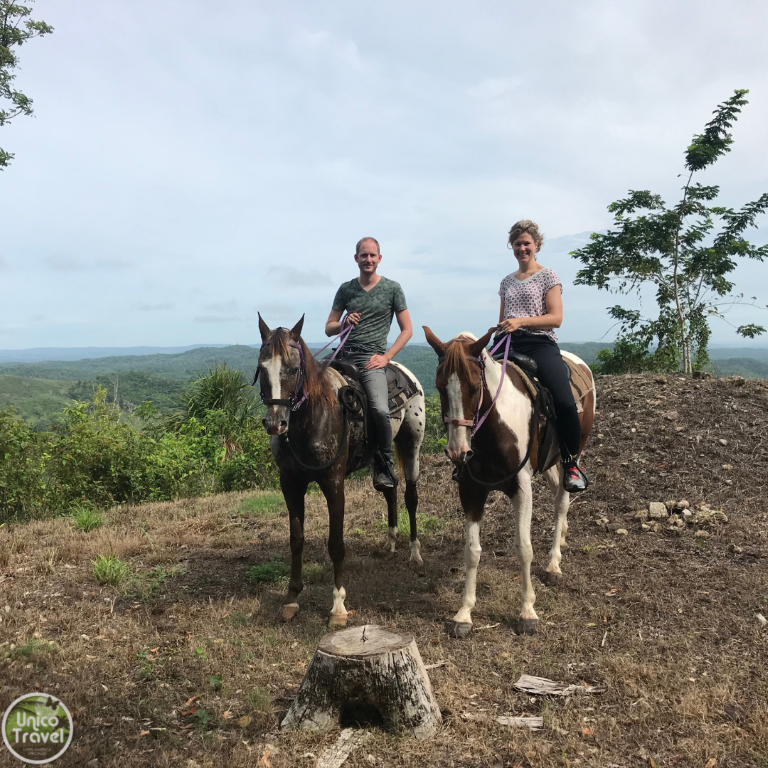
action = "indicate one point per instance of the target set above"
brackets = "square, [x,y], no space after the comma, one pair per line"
[531,307]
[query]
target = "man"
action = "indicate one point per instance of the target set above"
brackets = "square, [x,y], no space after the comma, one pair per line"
[371,300]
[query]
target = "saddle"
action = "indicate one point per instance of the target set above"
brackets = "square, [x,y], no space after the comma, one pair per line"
[400,388]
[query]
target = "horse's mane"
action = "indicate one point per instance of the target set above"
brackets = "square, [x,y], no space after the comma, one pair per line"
[315,382]
[455,360]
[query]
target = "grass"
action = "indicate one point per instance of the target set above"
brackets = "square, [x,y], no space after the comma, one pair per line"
[33,648]
[272,572]
[87,519]
[148,585]
[427,524]
[109,570]
[267,505]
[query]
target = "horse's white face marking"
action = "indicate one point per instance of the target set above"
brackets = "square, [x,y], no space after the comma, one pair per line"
[273,366]
[458,437]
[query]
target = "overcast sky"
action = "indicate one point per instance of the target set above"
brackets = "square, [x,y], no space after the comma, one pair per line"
[191,163]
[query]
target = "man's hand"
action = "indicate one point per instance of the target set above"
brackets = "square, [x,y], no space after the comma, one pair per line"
[353,318]
[376,361]
[511,324]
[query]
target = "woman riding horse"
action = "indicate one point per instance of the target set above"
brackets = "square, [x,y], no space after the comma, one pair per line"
[531,308]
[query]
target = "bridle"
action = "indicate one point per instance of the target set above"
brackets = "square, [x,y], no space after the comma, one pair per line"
[296,400]
[479,420]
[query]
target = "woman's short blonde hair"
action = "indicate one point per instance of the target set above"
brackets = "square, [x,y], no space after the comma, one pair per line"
[526,226]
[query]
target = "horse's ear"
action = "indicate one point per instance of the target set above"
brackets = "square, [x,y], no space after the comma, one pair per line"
[263,329]
[296,330]
[476,347]
[433,341]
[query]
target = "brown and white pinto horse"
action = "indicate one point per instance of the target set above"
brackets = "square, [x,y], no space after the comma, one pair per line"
[312,439]
[497,451]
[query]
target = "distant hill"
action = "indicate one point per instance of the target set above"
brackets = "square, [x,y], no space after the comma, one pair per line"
[42,354]
[37,401]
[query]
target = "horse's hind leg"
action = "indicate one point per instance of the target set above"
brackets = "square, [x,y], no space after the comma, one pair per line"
[294,491]
[333,490]
[408,442]
[553,574]
[390,494]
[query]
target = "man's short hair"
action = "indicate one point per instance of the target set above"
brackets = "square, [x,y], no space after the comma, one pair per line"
[364,240]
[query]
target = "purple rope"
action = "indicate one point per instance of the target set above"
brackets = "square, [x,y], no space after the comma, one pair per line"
[479,423]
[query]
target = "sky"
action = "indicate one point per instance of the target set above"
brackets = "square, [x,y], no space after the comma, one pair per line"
[191,164]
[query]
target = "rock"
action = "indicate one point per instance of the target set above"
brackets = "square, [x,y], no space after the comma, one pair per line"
[655,526]
[670,415]
[728,467]
[700,534]
[641,515]
[676,523]
[622,532]
[735,548]
[645,527]
[763,621]
[707,516]
[670,504]
[657,510]
[683,504]
[722,441]
[687,514]
[728,482]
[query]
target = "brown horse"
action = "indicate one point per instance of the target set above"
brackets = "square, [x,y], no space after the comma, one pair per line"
[314,438]
[499,460]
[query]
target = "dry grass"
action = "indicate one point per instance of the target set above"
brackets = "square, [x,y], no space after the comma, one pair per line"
[677,645]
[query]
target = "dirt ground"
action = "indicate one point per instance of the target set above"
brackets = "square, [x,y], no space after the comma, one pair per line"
[185,663]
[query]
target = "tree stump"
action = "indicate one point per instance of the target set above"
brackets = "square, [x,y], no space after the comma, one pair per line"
[366,676]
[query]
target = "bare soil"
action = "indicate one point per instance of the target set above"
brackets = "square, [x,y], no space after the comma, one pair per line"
[186,664]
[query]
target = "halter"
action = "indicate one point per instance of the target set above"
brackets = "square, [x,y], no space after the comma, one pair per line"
[296,400]
[479,420]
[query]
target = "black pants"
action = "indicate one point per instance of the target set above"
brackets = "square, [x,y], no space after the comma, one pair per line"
[553,374]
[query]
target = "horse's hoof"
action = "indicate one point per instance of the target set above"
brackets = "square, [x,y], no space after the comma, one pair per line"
[337,621]
[289,612]
[459,629]
[527,626]
[552,579]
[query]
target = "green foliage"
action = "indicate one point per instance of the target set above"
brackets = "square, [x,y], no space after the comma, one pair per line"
[677,250]
[272,572]
[215,682]
[33,648]
[87,518]
[434,428]
[16,28]
[109,570]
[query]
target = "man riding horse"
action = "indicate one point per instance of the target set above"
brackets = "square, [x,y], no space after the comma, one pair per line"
[371,301]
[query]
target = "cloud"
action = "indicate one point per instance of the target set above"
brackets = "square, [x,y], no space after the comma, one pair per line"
[154,307]
[225,306]
[67,264]
[301,278]
[219,319]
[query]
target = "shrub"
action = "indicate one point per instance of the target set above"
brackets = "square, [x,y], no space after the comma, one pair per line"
[272,572]
[87,519]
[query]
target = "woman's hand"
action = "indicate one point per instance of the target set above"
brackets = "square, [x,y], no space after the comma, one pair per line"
[512,324]
[353,318]
[377,361]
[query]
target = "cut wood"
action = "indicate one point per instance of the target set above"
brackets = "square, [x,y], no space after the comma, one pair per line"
[540,686]
[533,723]
[366,676]
[335,756]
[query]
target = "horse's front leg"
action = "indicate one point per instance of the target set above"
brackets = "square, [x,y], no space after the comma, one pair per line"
[522,501]
[473,500]
[553,574]
[294,491]
[332,487]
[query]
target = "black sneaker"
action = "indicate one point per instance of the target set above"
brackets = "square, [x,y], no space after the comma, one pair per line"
[384,477]
[574,479]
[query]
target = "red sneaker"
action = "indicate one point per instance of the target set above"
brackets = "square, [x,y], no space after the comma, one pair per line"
[574,479]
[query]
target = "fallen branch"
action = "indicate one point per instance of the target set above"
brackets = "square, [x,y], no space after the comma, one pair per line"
[540,686]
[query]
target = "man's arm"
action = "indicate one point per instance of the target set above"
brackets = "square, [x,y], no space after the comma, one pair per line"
[406,331]
[333,323]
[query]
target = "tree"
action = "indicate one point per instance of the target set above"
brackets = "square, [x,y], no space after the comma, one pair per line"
[16,28]
[676,250]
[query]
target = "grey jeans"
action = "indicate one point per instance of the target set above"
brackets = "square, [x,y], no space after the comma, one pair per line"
[375,384]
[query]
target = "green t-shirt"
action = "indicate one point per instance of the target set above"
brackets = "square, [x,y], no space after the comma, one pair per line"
[376,308]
